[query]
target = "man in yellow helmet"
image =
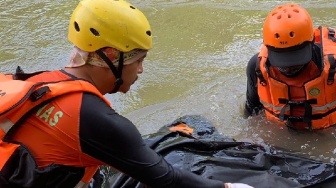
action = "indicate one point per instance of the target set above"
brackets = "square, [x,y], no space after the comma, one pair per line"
[292,77]
[62,142]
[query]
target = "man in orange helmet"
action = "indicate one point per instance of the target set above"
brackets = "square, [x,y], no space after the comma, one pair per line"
[292,77]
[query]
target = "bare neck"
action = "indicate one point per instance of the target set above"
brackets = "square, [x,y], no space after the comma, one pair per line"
[86,73]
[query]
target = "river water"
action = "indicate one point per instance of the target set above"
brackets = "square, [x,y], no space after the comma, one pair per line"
[197,65]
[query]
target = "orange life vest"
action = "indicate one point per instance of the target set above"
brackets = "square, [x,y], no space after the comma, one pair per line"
[20,95]
[308,100]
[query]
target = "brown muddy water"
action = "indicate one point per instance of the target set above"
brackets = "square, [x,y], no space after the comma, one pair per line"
[197,65]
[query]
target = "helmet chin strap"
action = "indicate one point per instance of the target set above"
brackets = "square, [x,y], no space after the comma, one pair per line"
[117,72]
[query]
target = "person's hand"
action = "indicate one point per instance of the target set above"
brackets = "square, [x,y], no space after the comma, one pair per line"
[248,110]
[237,185]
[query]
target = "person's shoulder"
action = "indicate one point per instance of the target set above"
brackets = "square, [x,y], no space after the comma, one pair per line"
[254,59]
[94,101]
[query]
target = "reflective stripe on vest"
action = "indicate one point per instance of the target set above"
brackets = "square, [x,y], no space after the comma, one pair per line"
[316,109]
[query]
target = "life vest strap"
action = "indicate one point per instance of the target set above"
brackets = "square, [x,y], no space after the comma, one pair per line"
[258,72]
[39,93]
[331,72]
[290,126]
[307,118]
[21,75]
[293,119]
[297,103]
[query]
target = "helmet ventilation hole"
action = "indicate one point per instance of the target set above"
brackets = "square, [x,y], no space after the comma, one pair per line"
[292,34]
[132,7]
[94,32]
[149,33]
[289,16]
[296,10]
[277,35]
[76,26]
[279,17]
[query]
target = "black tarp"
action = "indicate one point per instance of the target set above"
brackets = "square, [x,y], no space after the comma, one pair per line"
[207,153]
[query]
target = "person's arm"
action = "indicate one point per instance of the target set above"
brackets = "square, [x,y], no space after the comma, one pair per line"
[252,104]
[114,140]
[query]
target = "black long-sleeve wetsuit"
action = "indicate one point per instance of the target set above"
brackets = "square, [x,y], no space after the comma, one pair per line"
[113,139]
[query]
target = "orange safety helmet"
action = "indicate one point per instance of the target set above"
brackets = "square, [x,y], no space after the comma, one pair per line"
[287,25]
[288,33]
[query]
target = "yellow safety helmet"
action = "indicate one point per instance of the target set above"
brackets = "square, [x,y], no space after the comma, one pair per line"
[96,24]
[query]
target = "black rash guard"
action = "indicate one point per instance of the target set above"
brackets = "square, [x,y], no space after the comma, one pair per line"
[113,139]
[252,104]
